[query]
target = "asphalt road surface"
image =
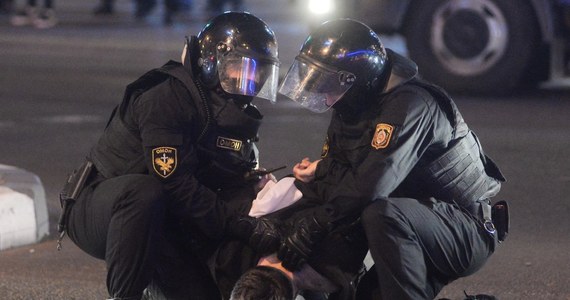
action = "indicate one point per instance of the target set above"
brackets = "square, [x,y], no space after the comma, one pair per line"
[58,86]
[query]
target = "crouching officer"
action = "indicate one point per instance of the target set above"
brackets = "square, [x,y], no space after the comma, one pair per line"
[402,157]
[183,135]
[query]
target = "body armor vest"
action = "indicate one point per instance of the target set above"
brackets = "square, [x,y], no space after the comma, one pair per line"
[225,143]
[227,151]
[463,174]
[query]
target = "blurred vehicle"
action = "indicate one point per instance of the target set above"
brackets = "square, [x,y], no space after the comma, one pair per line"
[472,46]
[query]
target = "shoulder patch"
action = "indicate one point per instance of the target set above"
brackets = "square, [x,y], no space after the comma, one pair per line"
[382,136]
[164,161]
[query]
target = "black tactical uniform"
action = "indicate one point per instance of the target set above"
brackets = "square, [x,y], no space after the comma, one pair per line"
[408,150]
[174,153]
[415,156]
[150,151]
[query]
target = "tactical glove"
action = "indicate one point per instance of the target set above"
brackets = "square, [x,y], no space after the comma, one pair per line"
[262,234]
[298,246]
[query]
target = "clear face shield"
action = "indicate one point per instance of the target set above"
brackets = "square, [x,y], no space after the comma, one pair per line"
[243,75]
[314,87]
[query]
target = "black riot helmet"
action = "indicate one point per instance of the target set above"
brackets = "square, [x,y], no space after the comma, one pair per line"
[238,52]
[337,56]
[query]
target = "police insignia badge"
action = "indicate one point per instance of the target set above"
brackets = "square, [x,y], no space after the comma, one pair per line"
[164,161]
[382,136]
[325,150]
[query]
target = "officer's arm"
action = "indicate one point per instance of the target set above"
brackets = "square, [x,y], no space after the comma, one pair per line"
[168,127]
[402,133]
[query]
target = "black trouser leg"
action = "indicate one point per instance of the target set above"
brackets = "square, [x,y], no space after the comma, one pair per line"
[419,247]
[144,7]
[182,272]
[120,220]
[172,5]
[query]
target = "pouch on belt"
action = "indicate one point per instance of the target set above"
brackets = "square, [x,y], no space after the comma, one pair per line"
[73,186]
[500,216]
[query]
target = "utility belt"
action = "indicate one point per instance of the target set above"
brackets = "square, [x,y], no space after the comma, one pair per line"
[71,190]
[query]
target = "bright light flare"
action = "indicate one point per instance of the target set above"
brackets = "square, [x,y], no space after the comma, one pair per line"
[321,7]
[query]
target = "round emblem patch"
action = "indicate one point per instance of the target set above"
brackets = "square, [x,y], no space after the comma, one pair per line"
[382,136]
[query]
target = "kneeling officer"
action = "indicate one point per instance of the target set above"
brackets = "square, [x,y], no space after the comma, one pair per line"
[182,134]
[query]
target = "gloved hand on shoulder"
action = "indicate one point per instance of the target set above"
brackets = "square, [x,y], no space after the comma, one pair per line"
[298,246]
[262,234]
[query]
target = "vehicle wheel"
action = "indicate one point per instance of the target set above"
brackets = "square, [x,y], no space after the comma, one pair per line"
[475,46]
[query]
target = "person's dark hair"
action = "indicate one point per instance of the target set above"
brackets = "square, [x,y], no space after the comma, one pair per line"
[263,283]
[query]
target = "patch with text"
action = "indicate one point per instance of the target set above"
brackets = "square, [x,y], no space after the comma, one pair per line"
[164,160]
[227,143]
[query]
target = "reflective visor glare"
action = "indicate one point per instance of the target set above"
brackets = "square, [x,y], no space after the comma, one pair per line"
[314,88]
[248,76]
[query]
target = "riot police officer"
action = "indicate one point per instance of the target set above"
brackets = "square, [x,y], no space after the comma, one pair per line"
[398,154]
[183,136]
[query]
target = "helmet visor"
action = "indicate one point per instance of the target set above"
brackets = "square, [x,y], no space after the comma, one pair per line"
[242,75]
[315,88]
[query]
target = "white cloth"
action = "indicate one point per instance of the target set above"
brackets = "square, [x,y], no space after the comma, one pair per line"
[275,196]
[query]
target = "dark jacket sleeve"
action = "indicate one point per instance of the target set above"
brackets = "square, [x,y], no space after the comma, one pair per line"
[372,173]
[168,124]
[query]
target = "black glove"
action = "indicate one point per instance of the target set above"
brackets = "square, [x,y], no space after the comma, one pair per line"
[262,234]
[296,248]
